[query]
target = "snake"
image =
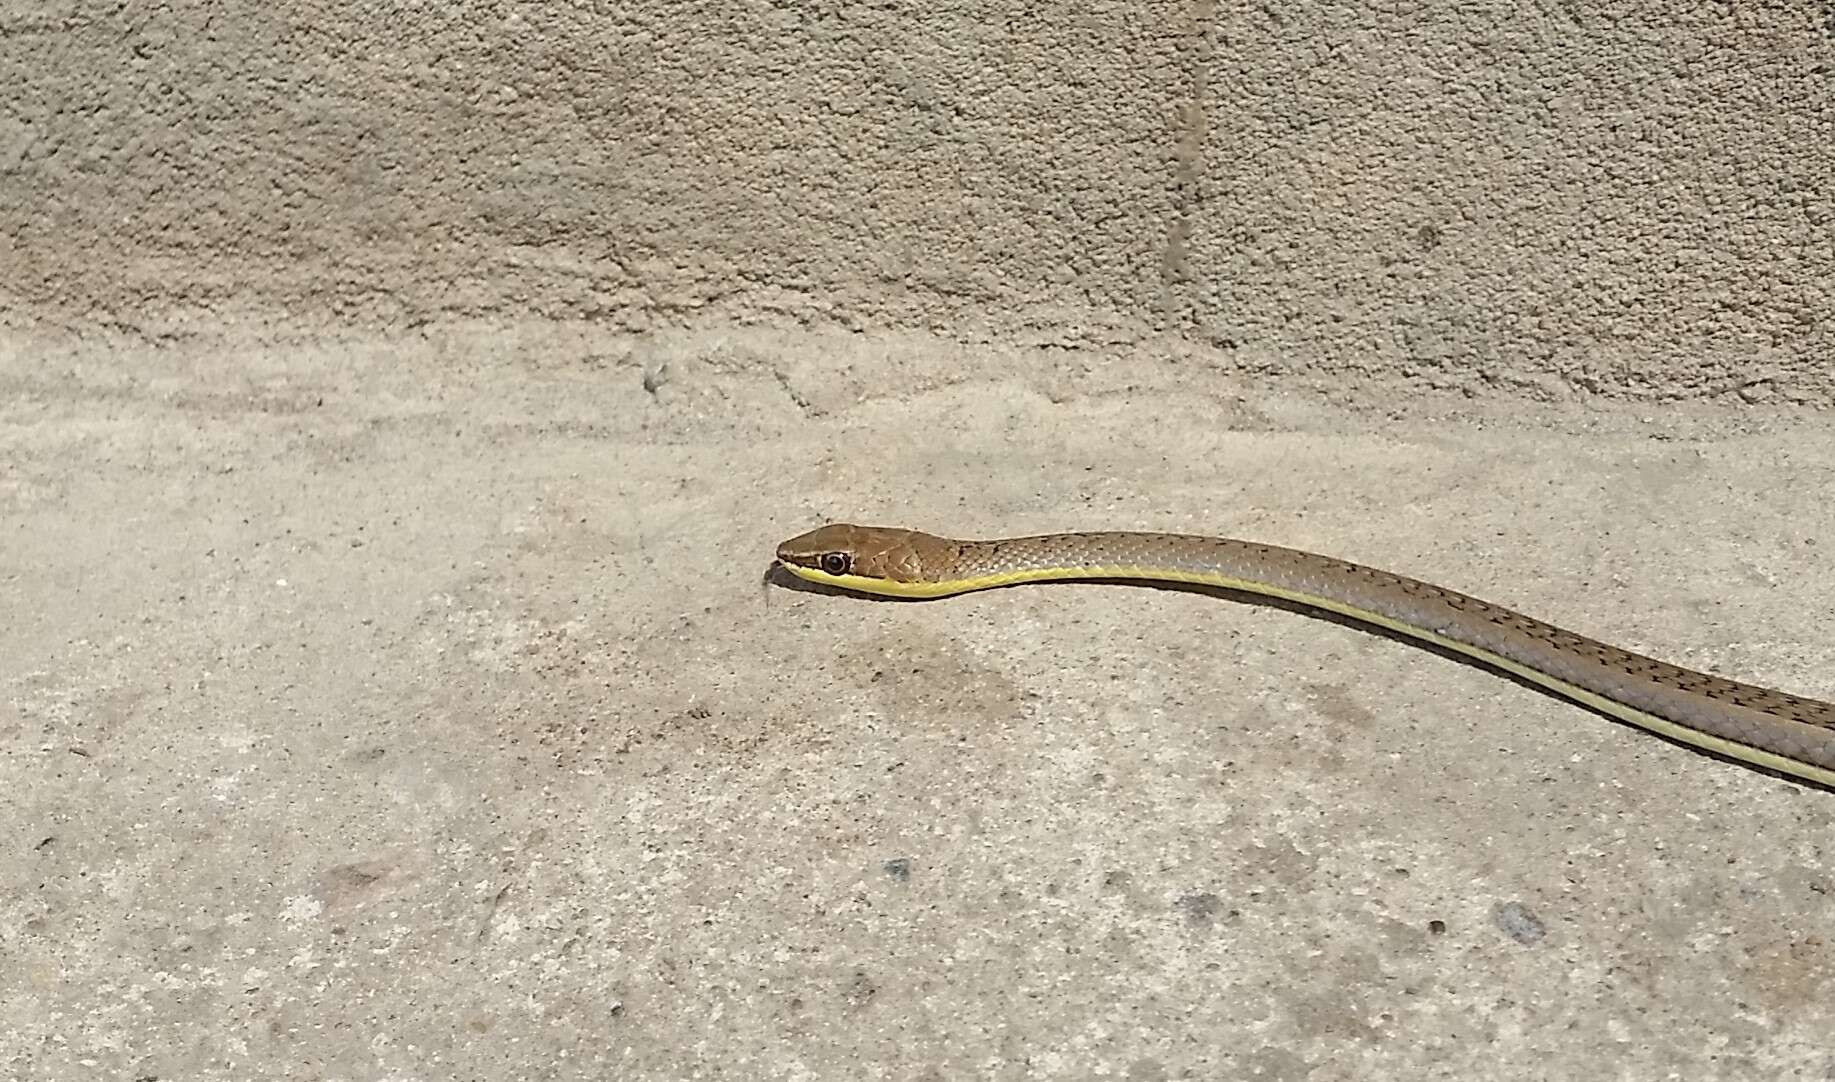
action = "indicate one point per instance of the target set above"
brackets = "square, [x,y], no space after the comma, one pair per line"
[1771,730]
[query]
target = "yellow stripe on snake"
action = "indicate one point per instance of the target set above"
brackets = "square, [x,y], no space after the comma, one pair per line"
[1756,725]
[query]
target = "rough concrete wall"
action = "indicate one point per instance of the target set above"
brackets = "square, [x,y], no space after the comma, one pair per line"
[1558,197]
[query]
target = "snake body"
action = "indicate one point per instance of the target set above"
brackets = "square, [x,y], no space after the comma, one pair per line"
[1760,726]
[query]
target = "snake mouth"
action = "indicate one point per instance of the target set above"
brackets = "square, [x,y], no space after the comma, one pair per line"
[799,563]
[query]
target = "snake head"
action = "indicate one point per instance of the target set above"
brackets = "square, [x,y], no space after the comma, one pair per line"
[874,559]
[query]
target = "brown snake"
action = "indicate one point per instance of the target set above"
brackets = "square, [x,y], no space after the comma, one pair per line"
[1756,725]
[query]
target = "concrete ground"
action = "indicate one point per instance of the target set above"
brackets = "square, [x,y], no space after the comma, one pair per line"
[415,706]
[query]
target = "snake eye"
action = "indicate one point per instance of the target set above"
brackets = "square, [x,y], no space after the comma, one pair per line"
[835,563]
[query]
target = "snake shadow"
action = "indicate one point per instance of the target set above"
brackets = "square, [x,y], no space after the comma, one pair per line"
[777,576]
